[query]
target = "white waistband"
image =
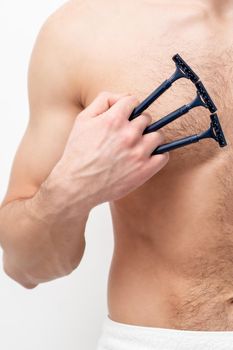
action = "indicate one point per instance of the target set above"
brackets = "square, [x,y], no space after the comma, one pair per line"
[120,336]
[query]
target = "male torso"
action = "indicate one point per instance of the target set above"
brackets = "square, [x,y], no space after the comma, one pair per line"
[173,259]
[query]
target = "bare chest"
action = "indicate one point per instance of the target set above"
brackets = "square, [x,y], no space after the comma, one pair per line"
[186,210]
[132,51]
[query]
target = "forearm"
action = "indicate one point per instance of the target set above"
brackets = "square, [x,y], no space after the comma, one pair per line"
[43,237]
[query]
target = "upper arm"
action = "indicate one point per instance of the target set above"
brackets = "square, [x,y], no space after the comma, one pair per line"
[54,95]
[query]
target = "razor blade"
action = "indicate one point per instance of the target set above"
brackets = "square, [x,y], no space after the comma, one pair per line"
[215,132]
[202,99]
[183,70]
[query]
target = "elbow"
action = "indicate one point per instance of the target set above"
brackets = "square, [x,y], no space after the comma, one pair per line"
[17,276]
[27,285]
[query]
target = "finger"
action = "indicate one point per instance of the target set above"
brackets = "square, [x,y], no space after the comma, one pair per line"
[156,163]
[123,108]
[141,122]
[101,104]
[151,141]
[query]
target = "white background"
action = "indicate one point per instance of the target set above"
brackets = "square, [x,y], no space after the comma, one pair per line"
[66,314]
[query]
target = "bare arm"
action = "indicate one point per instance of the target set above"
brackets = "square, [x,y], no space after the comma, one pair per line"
[36,250]
[69,161]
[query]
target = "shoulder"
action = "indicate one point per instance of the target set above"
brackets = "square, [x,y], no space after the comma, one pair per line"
[76,19]
[73,44]
[69,44]
[58,57]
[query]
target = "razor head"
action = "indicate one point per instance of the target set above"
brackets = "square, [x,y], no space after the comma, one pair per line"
[185,69]
[217,130]
[206,97]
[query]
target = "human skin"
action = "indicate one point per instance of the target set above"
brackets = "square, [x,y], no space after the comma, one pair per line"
[105,157]
[172,262]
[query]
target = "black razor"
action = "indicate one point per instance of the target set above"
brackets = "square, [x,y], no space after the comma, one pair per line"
[215,132]
[202,99]
[182,71]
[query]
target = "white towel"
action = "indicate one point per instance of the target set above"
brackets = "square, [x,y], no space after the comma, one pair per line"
[120,336]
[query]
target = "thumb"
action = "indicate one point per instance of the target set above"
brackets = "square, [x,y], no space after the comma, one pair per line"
[102,103]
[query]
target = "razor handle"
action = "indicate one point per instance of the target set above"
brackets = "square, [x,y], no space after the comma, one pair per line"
[150,99]
[176,144]
[167,120]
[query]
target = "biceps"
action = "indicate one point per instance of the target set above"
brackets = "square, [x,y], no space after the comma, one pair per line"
[40,149]
[54,101]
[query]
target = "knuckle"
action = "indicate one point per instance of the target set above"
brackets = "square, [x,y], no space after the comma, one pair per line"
[138,154]
[113,121]
[147,118]
[104,94]
[163,158]
[129,137]
[133,99]
[159,137]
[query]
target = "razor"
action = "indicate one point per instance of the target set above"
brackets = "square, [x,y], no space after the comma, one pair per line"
[182,71]
[215,132]
[202,99]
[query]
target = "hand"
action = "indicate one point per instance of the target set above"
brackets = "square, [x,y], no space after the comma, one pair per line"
[108,155]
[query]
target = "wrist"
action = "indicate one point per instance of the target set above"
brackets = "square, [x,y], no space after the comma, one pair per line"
[58,200]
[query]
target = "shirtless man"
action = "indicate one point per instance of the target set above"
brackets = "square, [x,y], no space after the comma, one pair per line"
[173,259]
